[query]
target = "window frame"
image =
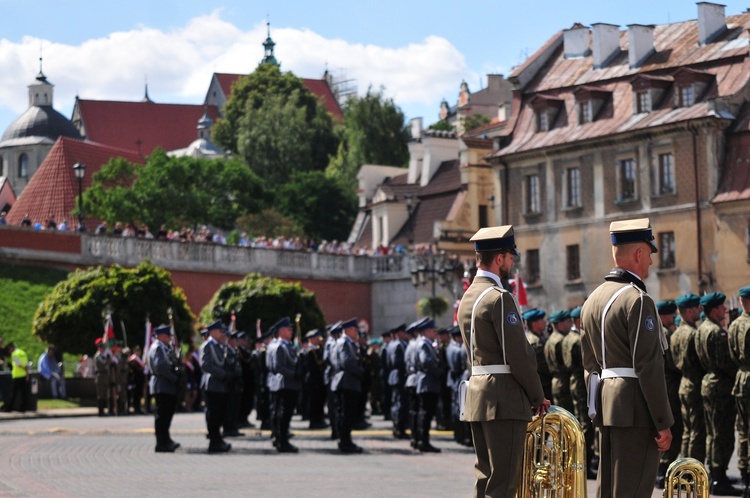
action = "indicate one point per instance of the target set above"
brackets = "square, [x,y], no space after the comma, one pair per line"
[23,165]
[573,262]
[542,120]
[573,188]
[533,201]
[533,267]
[665,174]
[622,170]
[642,101]
[585,112]
[667,251]
[684,100]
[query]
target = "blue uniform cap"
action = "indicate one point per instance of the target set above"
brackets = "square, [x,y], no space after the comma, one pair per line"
[495,238]
[629,231]
[204,332]
[688,301]
[455,330]
[426,324]
[713,300]
[217,325]
[267,334]
[666,307]
[414,326]
[334,328]
[351,322]
[442,331]
[242,336]
[559,316]
[284,322]
[387,333]
[575,312]
[745,292]
[163,329]
[399,328]
[534,314]
[313,333]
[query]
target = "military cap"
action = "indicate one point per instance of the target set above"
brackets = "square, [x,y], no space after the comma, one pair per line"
[284,322]
[204,332]
[399,328]
[442,331]
[745,292]
[386,333]
[163,329]
[242,336]
[266,335]
[334,328]
[217,325]
[98,342]
[313,333]
[688,301]
[666,307]
[428,323]
[495,238]
[712,300]
[455,330]
[575,312]
[629,231]
[351,322]
[533,315]
[559,316]
[414,326]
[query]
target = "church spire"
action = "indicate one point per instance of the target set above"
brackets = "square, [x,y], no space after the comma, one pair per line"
[41,76]
[268,57]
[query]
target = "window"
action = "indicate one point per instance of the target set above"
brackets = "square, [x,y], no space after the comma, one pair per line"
[23,166]
[542,121]
[584,112]
[573,187]
[532,266]
[666,250]
[685,96]
[626,178]
[533,204]
[666,173]
[574,262]
[642,102]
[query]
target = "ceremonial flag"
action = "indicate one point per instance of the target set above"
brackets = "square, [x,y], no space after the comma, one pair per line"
[233,323]
[149,336]
[258,333]
[520,291]
[109,329]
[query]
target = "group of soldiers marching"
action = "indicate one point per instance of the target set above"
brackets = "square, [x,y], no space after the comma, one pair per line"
[707,371]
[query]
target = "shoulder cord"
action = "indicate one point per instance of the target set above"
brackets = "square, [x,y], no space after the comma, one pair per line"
[473,313]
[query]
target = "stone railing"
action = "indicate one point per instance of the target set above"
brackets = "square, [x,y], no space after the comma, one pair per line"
[210,257]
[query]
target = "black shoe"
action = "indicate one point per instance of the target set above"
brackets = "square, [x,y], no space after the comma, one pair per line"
[266,426]
[163,448]
[724,488]
[219,447]
[233,433]
[350,448]
[174,445]
[287,448]
[318,425]
[361,425]
[428,448]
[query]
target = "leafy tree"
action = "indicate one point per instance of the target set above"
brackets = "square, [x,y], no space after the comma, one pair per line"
[442,125]
[174,191]
[432,306]
[265,298]
[71,316]
[475,121]
[374,133]
[322,206]
[269,223]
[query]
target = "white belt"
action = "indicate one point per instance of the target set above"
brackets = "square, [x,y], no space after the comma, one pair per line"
[613,373]
[490,369]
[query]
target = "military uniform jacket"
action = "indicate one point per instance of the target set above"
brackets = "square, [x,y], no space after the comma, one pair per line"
[739,348]
[215,376]
[429,367]
[553,353]
[348,366]
[259,368]
[571,349]
[396,362]
[457,365]
[102,363]
[682,345]
[498,396]
[327,352]
[164,378]
[410,361]
[282,367]
[633,339]
[712,345]
[314,371]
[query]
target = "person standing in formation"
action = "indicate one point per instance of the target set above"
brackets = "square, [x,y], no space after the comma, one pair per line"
[163,386]
[214,385]
[284,382]
[739,348]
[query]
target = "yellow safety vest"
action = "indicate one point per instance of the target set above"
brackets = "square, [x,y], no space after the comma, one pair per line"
[18,356]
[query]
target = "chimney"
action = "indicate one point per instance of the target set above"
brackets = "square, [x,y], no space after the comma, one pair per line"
[605,43]
[711,21]
[416,128]
[576,41]
[641,39]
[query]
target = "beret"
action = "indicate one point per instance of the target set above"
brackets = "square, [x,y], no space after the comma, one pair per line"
[559,316]
[534,314]
[575,312]
[688,301]
[745,292]
[666,307]
[713,299]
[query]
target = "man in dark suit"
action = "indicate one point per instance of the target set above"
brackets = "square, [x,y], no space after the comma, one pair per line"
[163,386]
[633,412]
[347,383]
[214,384]
[504,388]
[284,382]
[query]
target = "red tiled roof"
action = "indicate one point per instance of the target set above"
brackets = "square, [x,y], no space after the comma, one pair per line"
[54,188]
[124,124]
[317,87]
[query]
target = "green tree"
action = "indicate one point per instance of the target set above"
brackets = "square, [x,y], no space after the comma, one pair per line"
[266,299]
[322,206]
[442,125]
[270,223]
[71,316]
[374,133]
[475,121]
[175,190]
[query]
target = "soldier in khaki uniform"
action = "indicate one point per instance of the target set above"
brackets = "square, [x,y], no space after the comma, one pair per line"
[712,345]
[504,388]
[633,412]
[739,348]
[685,357]
[536,334]
[553,353]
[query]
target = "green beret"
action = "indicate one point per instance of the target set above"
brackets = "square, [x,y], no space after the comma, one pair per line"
[533,315]
[559,316]
[688,301]
[666,307]
[713,300]
[575,312]
[745,292]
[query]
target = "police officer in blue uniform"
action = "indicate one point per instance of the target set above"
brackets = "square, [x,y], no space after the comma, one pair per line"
[428,370]
[457,371]
[163,386]
[334,332]
[347,383]
[284,382]
[410,386]
[396,380]
[214,384]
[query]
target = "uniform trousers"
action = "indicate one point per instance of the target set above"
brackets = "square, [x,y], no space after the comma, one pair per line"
[385,399]
[743,433]
[629,459]
[499,454]
[720,412]
[693,425]
[399,408]
[285,400]
[165,408]
[317,393]
[216,407]
[428,403]
[413,399]
[348,411]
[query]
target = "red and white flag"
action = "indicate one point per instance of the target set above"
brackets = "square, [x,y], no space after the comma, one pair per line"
[519,290]
[149,336]
[109,329]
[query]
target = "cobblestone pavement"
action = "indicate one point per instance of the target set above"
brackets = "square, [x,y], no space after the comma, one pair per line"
[112,457]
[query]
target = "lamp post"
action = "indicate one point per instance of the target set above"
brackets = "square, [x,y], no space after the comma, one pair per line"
[80,170]
[433,268]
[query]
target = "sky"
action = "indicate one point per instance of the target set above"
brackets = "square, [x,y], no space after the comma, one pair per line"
[417,51]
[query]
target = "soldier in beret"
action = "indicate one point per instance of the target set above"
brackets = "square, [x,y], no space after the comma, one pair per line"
[536,334]
[685,356]
[673,375]
[163,386]
[633,413]
[396,381]
[214,383]
[553,353]
[739,348]
[504,388]
[716,389]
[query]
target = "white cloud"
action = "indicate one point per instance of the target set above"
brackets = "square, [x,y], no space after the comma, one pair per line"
[179,64]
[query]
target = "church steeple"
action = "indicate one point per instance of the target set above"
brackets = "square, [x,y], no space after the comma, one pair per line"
[268,57]
[40,90]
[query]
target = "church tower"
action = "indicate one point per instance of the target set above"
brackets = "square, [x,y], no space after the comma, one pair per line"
[268,57]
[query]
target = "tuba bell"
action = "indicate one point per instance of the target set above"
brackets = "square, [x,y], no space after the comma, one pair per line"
[554,460]
[686,478]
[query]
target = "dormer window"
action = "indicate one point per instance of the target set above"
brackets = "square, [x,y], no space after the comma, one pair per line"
[642,102]
[690,86]
[584,112]
[590,101]
[546,110]
[542,121]
[648,91]
[685,96]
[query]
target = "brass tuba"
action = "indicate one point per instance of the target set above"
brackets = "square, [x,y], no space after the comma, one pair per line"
[554,459]
[686,478]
